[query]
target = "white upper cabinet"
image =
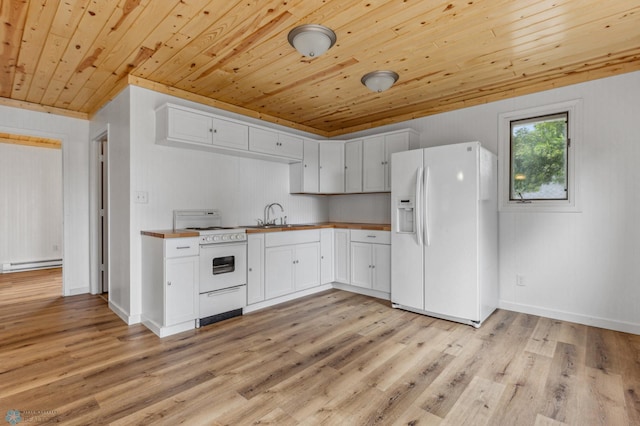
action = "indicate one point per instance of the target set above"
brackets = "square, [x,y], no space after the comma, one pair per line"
[275,143]
[373,157]
[188,126]
[303,176]
[180,124]
[331,167]
[376,157]
[353,166]
[230,134]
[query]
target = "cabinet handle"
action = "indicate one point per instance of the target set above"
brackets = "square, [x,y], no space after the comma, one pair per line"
[371,236]
[168,282]
[250,269]
[373,266]
[305,165]
[183,247]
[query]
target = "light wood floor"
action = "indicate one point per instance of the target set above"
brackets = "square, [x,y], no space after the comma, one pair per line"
[333,358]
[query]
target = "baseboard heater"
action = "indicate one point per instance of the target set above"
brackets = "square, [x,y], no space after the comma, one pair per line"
[28,266]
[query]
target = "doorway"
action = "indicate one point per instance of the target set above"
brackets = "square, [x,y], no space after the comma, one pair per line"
[31,225]
[100,215]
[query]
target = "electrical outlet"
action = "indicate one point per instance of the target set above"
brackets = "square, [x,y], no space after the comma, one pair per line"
[142,197]
[520,280]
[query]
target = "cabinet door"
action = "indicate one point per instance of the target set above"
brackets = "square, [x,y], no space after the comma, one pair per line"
[373,158]
[289,146]
[181,290]
[261,140]
[361,266]
[255,268]
[353,166]
[393,143]
[341,255]
[189,126]
[307,262]
[331,167]
[279,271]
[310,164]
[326,256]
[381,267]
[230,134]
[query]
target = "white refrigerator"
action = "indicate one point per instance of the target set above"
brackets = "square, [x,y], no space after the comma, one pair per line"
[444,232]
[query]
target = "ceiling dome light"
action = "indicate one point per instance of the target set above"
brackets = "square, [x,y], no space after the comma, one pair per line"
[312,40]
[379,81]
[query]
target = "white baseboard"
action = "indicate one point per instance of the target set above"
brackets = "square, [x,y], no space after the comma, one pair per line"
[286,298]
[76,291]
[360,290]
[623,326]
[124,316]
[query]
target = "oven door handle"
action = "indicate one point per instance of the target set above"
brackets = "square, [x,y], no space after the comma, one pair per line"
[224,291]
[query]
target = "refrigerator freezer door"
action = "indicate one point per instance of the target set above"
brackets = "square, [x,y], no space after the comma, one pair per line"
[407,280]
[451,214]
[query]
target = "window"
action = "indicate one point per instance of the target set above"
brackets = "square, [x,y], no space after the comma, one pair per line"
[539,158]
[538,151]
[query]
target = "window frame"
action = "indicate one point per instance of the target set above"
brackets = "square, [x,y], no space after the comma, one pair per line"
[573,109]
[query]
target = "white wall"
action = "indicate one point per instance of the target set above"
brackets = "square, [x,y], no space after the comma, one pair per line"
[74,135]
[360,208]
[577,266]
[31,203]
[177,178]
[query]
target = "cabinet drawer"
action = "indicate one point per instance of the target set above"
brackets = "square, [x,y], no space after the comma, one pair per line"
[284,238]
[221,301]
[180,247]
[377,237]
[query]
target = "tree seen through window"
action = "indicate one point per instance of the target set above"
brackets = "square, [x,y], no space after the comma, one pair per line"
[539,158]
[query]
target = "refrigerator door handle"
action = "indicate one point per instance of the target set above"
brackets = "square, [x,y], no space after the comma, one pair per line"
[418,206]
[426,210]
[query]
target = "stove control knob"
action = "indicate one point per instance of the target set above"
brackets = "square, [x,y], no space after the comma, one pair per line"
[216,238]
[225,237]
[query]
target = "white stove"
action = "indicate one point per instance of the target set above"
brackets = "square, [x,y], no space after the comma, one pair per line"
[207,223]
[223,264]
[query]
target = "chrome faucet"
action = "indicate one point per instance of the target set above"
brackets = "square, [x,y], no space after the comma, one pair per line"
[267,209]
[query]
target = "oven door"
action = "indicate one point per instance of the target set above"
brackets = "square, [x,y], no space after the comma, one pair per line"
[222,266]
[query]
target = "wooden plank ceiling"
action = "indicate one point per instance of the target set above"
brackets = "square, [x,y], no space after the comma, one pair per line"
[71,57]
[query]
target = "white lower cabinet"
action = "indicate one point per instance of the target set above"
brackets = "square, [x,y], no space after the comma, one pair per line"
[170,281]
[341,255]
[255,268]
[371,260]
[371,266]
[291,262]
[326,256]
[291,268]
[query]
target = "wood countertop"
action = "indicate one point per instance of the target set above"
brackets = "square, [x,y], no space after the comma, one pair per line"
[171,233]
[341,225]
[183,233]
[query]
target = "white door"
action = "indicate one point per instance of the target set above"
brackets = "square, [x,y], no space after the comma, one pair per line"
[393,143]
[307,273]
[361,264]
[331,167]
[451,229]
[190,126]
[279,271]
[310,166]
[326,256]
[353,166]
[228,133]
[255,268]
[341,255]
[381,267]
[373,158]
[407,258]
[181,291]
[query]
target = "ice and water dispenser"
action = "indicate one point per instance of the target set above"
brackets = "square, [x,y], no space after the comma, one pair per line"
[405,210]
